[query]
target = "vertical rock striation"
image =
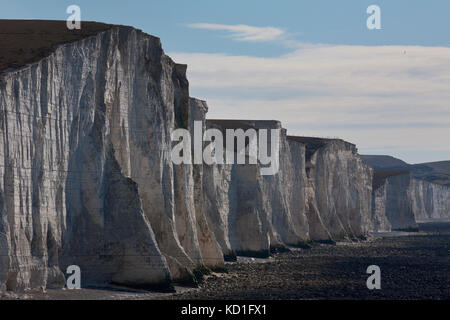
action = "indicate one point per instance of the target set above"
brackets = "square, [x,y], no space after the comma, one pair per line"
[338,192]
[392,208]
[210,249]
[429,200]
[428,192]
[399,200]
[86,171]
[87,178]
[322,191]
[235,199]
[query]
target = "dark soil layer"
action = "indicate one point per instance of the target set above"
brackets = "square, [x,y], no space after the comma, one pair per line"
[27,41]
[412,267]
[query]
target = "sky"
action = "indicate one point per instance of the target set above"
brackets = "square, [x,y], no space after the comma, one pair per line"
[314,65]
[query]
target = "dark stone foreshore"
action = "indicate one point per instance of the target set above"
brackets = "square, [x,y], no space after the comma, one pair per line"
[413,266]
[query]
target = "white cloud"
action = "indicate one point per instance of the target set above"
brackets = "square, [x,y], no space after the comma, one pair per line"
[243,32]
[387,99]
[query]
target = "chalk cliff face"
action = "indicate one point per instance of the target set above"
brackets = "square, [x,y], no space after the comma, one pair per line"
[253,213]
[338,190]
[285,195]
[380,222]
[86,173]
[211,252]
[235,200]
[428,192]
[429,200]
[392,207]
[399,200]
[87,178]
[322,191]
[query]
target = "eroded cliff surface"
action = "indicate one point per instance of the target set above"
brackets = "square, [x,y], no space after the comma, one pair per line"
[86,172]
[400,200]
[338,191]
[87,176]
[235,201]
[428,192]
[322,191]
[392,207]
[429,200]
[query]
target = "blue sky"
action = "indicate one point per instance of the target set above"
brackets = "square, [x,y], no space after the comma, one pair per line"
[312,64]
[405,22]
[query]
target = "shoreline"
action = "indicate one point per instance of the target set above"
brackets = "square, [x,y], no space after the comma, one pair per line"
[414,265]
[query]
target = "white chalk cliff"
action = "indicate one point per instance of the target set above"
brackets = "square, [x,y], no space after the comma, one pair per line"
[429,200]
[87,178]
[399,200]
[392,207]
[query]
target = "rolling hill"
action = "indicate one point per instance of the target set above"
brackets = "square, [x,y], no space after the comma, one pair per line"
[436,172]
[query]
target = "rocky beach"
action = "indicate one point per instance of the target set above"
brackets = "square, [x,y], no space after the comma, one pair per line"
[414,266]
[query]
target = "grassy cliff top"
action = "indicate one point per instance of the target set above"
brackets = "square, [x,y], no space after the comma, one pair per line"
[27,41]
[435,172]
[380,176]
